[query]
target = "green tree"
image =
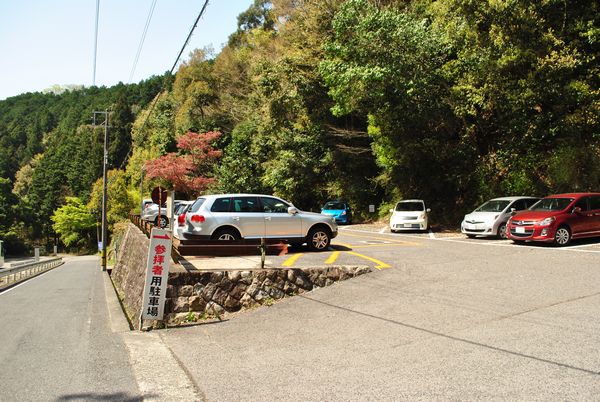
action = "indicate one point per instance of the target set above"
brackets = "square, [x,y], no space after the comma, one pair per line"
[74,223]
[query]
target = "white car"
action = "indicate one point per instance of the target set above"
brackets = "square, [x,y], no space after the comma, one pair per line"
[490,218]
[179,217]
[409,215]
[254,216]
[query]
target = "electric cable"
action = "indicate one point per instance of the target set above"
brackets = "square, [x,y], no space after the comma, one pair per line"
[155,101]
[139,50]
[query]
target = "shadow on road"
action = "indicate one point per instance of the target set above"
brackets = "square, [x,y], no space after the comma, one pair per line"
[454,338]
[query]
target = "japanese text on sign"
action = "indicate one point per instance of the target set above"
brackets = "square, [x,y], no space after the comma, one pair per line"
[157,273]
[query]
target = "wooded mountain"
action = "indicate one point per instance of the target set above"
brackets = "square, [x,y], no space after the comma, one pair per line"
[453,101]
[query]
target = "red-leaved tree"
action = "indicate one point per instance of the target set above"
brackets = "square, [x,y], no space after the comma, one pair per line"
[187,170]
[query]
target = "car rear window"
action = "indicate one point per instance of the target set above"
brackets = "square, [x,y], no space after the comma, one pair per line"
[221,205]
[410,206]
[246,204]
[595,202]
[197,204]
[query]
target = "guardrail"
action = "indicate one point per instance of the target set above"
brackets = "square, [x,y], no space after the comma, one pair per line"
[21,271]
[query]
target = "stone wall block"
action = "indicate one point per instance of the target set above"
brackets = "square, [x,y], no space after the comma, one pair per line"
[291,275]
[304,282]
[275,292]
[320,280]
[209,291]
[232,304]
[186,291]
[226,285]
[260,295]
[238,291]
[261,276]
[171,291]
[213,308]
[247,301]
[220,296]
[181,305]
[234,276]
[197,304]
[333,274]
[198,289]
[289,288]
[215,277]
[253,288]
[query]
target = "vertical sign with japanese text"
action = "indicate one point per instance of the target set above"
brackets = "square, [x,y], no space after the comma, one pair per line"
[157,275]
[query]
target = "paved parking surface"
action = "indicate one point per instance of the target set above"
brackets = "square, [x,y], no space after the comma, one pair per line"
[446,318]
[375,246]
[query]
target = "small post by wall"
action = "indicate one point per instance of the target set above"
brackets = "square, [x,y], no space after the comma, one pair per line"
[36,253]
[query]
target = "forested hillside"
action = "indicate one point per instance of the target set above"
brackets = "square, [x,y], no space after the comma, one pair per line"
[453,101]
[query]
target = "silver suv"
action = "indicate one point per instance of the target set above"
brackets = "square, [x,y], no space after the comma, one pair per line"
[253,216]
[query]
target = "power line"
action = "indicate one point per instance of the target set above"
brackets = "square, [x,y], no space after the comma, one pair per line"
[96,41]
[139,51]
[189,36]
[165,79]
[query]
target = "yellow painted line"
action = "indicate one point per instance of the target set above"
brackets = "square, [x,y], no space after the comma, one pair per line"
[332,257]
[388,244]
[379,238]
[380,264]
[290,261]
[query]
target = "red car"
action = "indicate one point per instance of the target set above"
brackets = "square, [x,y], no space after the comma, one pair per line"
[558,219]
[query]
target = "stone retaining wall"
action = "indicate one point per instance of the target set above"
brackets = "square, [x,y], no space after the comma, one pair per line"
[196,295]
[214,293]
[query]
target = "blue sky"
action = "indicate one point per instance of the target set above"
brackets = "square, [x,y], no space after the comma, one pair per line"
[49,42]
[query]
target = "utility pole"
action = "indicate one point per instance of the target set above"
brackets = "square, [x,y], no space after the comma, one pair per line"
[104,198]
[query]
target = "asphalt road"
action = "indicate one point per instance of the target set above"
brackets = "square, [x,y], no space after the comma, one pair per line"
[444,318]
[55,339]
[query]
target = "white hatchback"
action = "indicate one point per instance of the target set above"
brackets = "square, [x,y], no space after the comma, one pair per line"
[490,218]
[409,215]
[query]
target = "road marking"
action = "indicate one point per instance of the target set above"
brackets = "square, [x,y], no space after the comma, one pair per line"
[10,289]
[431,235]
[470,241]
[290,261]
[374,236]
[380,264]
[332,257]
[383,230]
[520,246]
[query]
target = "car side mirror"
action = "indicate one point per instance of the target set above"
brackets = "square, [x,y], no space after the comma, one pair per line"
[392,210]
[513,211]
[292,210]
[428,209]
[576,210]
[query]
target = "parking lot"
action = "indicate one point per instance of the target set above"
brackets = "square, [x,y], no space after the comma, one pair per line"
[440,317]
[375,246]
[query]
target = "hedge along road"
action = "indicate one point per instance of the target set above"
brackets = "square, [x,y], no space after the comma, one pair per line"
[448,319]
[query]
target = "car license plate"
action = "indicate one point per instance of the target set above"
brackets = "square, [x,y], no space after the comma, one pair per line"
[519,230]
[408,225]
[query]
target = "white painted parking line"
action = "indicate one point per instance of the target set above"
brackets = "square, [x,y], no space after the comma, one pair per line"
[383,230]
[495,243]
[519,246]
[431,235]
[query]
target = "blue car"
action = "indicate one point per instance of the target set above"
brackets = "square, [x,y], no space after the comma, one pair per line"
[340,210]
